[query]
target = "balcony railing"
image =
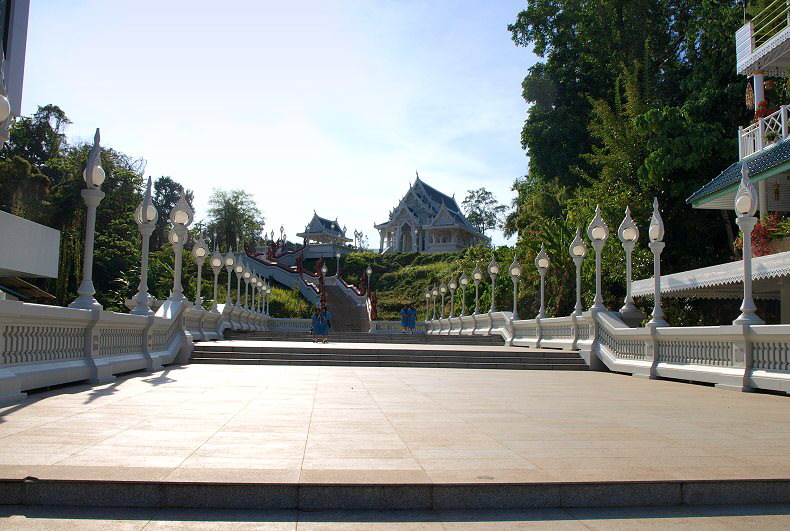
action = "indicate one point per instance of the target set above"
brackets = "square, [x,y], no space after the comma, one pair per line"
[756,137]
[770,21]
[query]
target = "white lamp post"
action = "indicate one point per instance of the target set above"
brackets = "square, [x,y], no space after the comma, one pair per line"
[146,217]
[239,270]
[253,287]
[92,195]
[199,252]
[464,280]
[628,233]
[493,271]
[216,267]
[515,273]
[268,299]
[478,276]
[542,263]
[443,291]
[434,294]
[427,305]
[578,251]
[452,286]
[369,273]
[260,295]
[324,270]
[230,263]
[598,232]
[246,275]
[337,255]
[656,235]
[745,207]
[181,217]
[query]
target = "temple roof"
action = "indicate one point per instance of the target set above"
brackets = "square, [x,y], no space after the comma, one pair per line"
[437,196]
[319,225]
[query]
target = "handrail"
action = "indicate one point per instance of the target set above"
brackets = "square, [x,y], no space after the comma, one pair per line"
[770,21]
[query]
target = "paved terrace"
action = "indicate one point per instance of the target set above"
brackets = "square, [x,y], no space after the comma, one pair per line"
[290,424]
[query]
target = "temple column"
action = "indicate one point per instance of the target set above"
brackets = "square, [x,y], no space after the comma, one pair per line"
[398,242]
[414,244]
[381,245]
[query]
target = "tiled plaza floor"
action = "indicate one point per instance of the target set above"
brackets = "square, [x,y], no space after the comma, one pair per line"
[393,425]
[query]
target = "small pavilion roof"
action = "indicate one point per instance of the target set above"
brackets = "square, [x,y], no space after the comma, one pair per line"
[758,163]
[723,281]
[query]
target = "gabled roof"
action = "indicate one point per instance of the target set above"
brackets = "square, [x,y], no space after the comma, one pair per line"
[436,196]
[319,224]
[758,163]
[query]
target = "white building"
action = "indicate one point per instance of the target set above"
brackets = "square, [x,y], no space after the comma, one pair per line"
[427,220]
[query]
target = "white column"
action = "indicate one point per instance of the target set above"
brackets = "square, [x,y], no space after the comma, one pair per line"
[414,242]
[762,194]
[398,243]
[381,245]
[759,87]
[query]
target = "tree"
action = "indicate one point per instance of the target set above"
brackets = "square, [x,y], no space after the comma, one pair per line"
[165,196]
[233,216]
[483,210]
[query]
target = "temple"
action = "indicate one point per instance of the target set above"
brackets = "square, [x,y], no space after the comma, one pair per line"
[324,237]
[426,220]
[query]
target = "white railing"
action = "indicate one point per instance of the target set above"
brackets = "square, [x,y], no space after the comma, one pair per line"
[753,138]
[44,345]
[737,357]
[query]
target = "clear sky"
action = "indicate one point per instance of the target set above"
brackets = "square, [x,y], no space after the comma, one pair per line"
[325,105]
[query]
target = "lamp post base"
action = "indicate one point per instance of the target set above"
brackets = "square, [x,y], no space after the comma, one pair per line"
[631,315]
[143,307]
[86,302]
[749,318]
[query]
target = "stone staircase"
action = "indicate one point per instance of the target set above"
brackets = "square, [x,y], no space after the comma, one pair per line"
[385,355]
[346,315]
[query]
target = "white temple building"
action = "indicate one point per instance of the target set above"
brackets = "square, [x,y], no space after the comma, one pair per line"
[426,220]
[324,237]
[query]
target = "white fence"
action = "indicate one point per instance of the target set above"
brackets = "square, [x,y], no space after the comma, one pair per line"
[740,357]
[44,345]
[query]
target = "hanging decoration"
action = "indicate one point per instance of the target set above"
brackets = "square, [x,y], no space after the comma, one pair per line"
[749,96]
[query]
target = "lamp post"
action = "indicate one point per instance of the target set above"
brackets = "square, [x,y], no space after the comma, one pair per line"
[324,270]
[146,217]
[260,294]
[92,195]
[656,235]
[515,273]
[464,280]
[181,217]
[199,252]
[369,273]
[443,291]
[745,207]
[246,275]
[253,286]
[230,263]
[216,267]
[268,299]
[578,251]
[542,264]
[628,233]
[598,232]
[239,270]
[493,271]
[478,276]
[452,286]
[434,294]
[427,305]
[337,255]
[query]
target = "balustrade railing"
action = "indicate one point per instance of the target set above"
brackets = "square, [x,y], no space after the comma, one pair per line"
[764,133]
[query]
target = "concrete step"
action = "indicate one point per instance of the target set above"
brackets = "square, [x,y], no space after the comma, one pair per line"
[356,337]
[428,496]
[389,357]
[391,363]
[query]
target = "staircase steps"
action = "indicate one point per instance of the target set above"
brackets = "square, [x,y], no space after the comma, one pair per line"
[372,355]
[336,336]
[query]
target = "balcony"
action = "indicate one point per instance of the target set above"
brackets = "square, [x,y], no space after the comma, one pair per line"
[764,133]
[764,42]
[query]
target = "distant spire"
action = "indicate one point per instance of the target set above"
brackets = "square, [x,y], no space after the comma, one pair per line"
[418,174]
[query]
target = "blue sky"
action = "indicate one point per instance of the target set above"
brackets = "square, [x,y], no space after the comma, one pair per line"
[325,105]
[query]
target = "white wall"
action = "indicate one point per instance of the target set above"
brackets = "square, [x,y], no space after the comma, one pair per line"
[27,249]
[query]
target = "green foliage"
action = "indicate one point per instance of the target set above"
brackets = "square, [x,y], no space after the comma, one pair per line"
[233,216]
[288,303]
[482,210]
